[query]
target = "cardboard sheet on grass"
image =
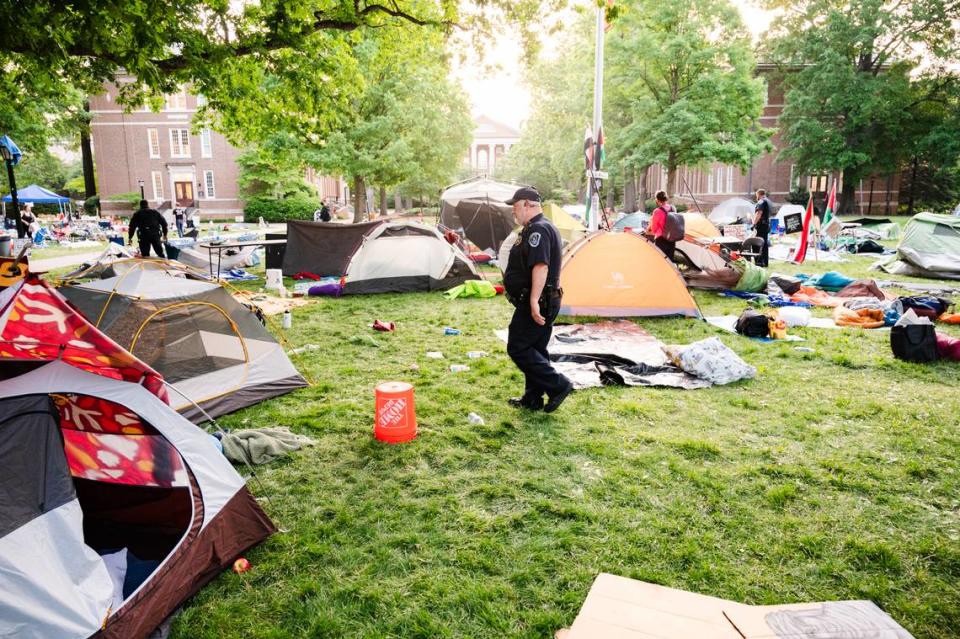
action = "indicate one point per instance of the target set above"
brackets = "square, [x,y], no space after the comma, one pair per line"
[269,304]
[621,608]
[636,355]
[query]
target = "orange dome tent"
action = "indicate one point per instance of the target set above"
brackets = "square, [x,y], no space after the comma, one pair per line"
[622,275]
[698,226]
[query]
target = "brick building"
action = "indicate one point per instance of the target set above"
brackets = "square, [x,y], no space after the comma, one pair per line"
[878,195]
[178,166]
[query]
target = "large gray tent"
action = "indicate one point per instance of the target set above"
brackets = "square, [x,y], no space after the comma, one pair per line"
[377,257]
[209,347]
[476,209]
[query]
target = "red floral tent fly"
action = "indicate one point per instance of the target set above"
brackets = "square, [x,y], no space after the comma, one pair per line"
[38,324]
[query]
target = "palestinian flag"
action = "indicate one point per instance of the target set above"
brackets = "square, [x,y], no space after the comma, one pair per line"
[601,155]
[804,238]
[831,205]
[588,149]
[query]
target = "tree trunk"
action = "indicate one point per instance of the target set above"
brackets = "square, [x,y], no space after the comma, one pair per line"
[913,185]
[671,179]
[630,193]
[846,204]
[86,151]
[359,199]
[398,202]
[383,201]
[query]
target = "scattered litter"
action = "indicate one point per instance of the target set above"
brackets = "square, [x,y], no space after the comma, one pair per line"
[287,319]
[804,349]
[241,565]
[476,354]
[385,327]
[434,354]
[473,418]
[458,368]
[303,349]
[414,367]
[447,330]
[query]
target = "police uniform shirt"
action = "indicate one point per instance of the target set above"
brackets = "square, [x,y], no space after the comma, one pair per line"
[148,223]
[538,243]
[764,207]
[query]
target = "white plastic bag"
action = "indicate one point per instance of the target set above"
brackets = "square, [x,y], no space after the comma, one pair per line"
[794,315]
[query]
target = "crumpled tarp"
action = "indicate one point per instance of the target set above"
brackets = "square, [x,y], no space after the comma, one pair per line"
[593,354]
[261,445]
[863,288]
[472,288]
[816,297]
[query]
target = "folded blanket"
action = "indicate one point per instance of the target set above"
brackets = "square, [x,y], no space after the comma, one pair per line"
[262,445]
[816,297]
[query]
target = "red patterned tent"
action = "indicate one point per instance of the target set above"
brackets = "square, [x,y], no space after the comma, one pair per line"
[38,324]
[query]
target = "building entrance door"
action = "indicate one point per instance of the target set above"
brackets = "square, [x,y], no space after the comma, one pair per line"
[184,193]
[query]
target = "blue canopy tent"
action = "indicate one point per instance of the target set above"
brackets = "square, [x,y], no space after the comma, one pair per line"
[39,195]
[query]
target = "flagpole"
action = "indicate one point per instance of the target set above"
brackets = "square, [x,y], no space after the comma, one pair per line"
[594,183]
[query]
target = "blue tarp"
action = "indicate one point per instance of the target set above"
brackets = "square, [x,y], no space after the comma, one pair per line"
[37,195]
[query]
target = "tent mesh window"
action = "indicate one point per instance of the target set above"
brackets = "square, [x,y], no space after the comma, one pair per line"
[947,231]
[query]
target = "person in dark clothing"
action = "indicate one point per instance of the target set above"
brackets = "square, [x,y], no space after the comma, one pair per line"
[325,212]
[532,283]
[761,224]
[657,223]
[150,227]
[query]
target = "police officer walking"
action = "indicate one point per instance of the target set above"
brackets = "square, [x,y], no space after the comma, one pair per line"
[149,226]
[532,283]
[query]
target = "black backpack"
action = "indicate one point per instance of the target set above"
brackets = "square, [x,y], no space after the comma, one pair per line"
[914,342]
[753,324]
[674,225]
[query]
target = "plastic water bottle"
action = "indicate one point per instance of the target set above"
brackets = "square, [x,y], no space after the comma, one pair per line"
[459,368]
[451,331]
[476,354]
[287,319]
[473,418]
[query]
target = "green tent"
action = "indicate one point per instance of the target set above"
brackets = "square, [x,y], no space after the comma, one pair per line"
[929,247]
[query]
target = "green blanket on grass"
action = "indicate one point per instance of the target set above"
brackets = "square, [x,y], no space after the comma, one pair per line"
[261,445]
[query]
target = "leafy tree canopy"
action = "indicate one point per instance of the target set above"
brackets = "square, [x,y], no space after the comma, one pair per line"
[858,77]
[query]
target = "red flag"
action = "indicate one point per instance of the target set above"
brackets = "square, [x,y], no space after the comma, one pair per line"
[802,249]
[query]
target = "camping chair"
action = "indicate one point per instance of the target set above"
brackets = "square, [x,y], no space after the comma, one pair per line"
[752,248]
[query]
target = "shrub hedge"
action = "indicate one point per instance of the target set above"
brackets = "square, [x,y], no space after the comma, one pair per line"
[292,208]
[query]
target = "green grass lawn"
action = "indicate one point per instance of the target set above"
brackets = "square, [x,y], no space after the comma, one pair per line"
[55,250]
[833,475]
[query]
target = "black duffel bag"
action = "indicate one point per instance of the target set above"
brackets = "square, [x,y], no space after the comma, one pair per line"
[914,342]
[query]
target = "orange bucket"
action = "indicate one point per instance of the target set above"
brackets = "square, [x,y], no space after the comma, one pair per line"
[396,418]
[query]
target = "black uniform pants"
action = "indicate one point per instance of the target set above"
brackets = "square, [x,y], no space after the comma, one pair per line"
[527,347]
[146,241]
[763,232]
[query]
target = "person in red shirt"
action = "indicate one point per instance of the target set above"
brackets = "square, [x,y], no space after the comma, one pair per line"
[657,222]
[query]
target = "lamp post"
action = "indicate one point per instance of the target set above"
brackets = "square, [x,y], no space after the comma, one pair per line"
[140,182]
[11,156]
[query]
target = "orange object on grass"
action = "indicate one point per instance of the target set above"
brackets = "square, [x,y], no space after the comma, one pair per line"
[396,417]
[858,318]
[949,318]
[816,297]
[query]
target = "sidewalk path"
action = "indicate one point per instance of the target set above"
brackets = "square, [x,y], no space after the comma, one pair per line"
[51,263]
